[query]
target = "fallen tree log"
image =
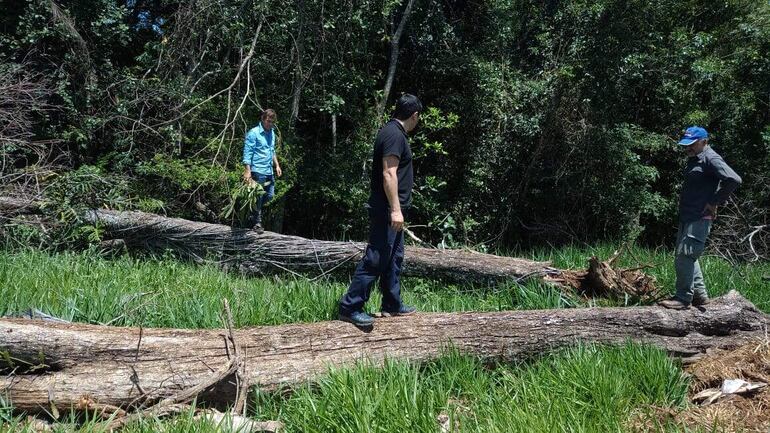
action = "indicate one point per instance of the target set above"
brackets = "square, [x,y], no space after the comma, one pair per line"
[10,206]
[53,365]
[254,253]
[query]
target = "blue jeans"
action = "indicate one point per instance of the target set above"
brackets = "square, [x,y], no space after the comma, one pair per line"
[382,259]
[267,182]
[690,243]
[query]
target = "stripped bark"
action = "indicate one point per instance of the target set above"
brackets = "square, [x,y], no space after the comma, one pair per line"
[55,364]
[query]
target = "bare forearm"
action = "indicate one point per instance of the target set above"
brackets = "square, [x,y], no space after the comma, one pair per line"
[277,166]
[390,184]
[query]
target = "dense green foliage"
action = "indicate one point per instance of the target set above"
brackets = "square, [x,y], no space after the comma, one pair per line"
[548,121]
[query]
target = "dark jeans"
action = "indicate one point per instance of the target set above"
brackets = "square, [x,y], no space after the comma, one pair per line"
[267,182]
[382,259]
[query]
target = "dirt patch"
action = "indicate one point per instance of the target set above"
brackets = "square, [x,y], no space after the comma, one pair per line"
[734,413]
[750,362]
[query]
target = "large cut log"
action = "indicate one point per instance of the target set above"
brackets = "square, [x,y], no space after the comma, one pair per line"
[58,365]
[254,253]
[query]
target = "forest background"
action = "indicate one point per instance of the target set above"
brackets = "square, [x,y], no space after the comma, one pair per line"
[547,122]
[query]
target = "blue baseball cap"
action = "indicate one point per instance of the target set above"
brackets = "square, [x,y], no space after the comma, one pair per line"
[693,134]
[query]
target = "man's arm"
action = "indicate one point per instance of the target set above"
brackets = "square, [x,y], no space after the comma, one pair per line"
[277,166]
[390,183]
[728,180]
[248,153]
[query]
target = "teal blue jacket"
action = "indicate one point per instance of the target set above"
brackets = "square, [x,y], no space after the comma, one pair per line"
[259,149]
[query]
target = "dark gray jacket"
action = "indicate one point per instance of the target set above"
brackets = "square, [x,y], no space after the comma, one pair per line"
[707,179]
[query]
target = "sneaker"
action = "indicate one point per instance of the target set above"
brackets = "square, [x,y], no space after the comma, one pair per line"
[697,302]
[405,310]
[674,304]
[358,318]
[258,228]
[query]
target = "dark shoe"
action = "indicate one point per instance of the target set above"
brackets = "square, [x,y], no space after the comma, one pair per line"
[674,304]
[697,302]
[405,310]
[258,228]
[358,318]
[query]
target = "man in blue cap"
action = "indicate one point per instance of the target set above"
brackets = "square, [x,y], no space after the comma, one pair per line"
[708,182]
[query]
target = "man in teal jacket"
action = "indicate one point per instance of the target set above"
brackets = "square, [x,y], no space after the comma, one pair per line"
[258,161]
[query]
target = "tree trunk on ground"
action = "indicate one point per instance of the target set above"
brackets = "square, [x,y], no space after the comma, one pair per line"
[11,206]
[254,253]
[60,365]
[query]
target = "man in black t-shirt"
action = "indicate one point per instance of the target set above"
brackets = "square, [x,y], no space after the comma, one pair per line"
[389,201]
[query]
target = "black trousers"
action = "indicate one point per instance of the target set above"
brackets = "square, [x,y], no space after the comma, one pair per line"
[382,260]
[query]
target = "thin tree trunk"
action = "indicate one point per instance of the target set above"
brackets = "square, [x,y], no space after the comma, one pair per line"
[57,365]
[298,75]
[394,47]
[10,206]
[334,132]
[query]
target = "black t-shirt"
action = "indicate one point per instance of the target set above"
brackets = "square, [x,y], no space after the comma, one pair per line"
[391,140]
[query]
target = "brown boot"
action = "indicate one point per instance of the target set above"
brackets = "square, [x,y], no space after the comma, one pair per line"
[697,302]
[674,304]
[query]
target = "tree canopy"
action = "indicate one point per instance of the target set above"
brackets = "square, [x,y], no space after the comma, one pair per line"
[546,121]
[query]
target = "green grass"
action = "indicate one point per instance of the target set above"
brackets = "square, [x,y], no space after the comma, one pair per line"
[164,292]
[586,388]
[720,276]
[582,389]
[167,293]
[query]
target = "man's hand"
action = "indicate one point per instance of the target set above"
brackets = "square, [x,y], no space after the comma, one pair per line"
[278,171]
[247,176]
[396,220]
[710,210]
